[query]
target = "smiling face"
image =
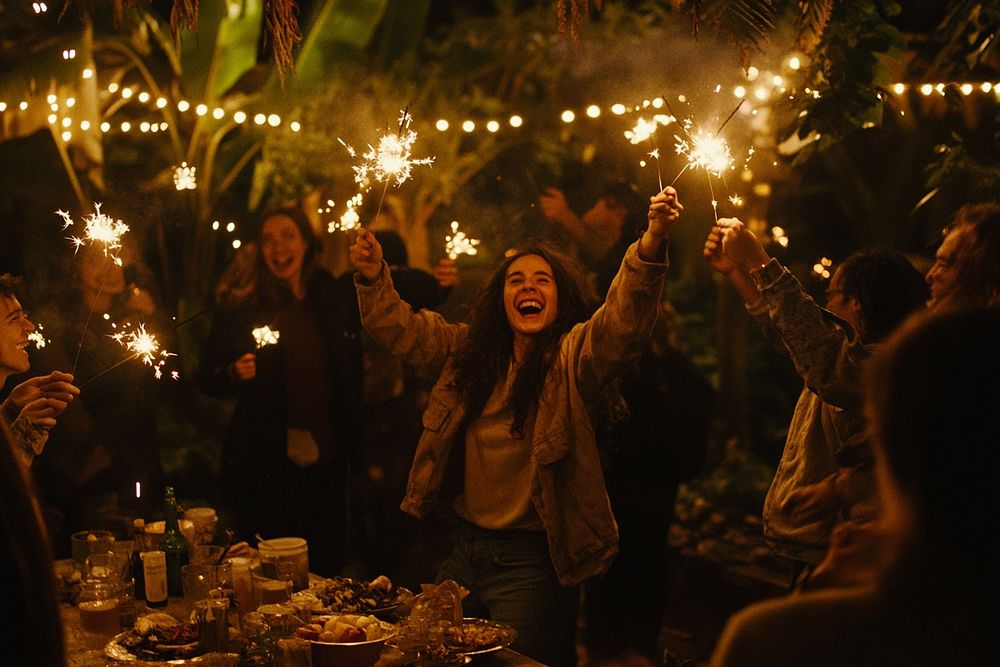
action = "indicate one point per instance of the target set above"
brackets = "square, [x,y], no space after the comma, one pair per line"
[530,296]
[13,338]
[283,249]
[944,272]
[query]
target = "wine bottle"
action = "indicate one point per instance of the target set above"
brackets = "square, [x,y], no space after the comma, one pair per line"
[174,545]
[155,575]
[138,546]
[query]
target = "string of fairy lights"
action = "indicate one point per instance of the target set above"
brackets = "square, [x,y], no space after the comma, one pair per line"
[759,88]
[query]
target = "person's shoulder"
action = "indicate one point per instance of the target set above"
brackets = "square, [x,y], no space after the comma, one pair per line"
[800,628]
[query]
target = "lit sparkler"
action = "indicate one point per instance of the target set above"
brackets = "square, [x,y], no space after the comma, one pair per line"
[37,337]
[457,243]
[351,219]
[705,150]
[184,177]
[143,345]
[99,229]
[390,161]
[265,335]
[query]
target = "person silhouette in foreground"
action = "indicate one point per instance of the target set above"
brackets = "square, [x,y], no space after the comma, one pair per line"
[508,444]
[931,587]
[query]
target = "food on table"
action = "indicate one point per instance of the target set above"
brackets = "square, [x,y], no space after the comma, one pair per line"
[160,637]
[345,595]
[346,628]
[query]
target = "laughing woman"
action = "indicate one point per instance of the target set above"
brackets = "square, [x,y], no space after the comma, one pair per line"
[294,433]
[508,445]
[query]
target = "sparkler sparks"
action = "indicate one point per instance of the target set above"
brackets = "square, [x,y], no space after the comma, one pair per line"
[143,345]
[265,335]
[184,177]
[391,159]
[351,219]
[457,243]
[99,229]
[707,151]
[37,337]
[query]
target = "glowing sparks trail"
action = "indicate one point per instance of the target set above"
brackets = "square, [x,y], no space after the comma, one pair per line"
[99,229]
[184,177]
[142,345]
[457,243]
[708,151]
[102,230]
[37,337]
[645,130]
[390,160]
[265,335]
[351,219]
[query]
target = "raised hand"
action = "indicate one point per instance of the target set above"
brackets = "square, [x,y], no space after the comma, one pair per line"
[446,273]
[713,252]
[664,210]
[366,256]
[554,207]
[741,246]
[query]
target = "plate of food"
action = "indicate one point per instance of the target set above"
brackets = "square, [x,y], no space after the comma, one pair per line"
[343,595]
[476,636]
[156,638]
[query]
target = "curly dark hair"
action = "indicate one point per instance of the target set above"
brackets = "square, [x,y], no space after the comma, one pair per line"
[977,260]
[886,285]
[489,348]
[10,285]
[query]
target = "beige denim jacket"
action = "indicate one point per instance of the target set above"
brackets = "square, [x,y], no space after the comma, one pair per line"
[569,492]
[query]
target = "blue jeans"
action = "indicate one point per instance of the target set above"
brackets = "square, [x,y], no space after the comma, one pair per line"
[511,579]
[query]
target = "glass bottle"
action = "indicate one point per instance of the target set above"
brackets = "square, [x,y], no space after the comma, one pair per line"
[155,574]
[174,545]
[138,546]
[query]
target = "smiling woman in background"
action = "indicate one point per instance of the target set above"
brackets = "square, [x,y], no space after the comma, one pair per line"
[294,431]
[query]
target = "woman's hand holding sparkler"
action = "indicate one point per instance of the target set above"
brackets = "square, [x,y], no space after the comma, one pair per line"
[664,210]
[244,368]
[741,246]
[446,273]
[366,256]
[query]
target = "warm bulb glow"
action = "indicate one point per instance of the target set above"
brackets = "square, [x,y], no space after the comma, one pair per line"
[441,125]
[568,116]
[618,109]
[201,109]
[899,88]
[218,113]
[516,121]
[468,126]
[739,91]
[161,102]
[239,117]
[274,120]
[259,119]
[183,105]
[492,126]
[593,111]
[51,99]
[144,97]
[126,126]
[236,244]
[126,93]
[295,126]
[927,89]
[794,63]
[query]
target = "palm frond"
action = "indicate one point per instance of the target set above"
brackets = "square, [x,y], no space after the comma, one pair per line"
[813,20]
[746,24]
